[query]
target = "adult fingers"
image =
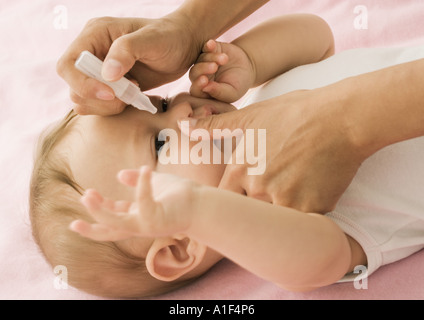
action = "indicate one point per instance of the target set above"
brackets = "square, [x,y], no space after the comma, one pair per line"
[124,52]
[236,179]
[233,179]
[95,106]
[231,124]
[83,86]
[221,91]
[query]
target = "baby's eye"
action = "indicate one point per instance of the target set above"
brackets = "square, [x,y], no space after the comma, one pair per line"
[164,105]
[158,144]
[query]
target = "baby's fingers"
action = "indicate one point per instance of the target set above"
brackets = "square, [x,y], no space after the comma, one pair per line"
[143,193]
[221,91]
[129,177]
[102,213]
[219,58]
[99,232]
[212,46]
[202,68]
[209,46]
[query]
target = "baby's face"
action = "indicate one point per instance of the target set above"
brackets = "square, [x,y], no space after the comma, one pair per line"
[99,147]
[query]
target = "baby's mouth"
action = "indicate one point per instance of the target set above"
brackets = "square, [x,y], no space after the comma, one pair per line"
[209,109]
[205,111]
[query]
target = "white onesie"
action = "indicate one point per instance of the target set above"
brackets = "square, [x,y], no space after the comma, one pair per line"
[383,208]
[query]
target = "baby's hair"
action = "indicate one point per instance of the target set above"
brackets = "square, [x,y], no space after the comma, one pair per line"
[99,268]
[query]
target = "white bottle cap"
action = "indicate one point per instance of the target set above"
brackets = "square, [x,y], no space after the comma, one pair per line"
[124,89]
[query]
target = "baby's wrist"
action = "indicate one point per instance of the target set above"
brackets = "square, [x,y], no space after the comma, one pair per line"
[252,80]
[198,207]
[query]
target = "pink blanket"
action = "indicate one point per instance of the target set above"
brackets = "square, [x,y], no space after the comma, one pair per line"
[33,35]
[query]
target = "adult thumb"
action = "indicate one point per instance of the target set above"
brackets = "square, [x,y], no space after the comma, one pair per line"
[219,126]
[121,57]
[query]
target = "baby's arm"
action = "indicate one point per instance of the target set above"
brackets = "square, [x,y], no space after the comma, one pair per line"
[286,42]
[226,71]
[295,250]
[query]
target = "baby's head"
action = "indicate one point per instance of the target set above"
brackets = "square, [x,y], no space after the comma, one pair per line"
[87,152]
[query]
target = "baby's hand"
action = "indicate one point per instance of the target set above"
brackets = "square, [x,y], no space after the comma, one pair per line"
[223,71]
[168,213]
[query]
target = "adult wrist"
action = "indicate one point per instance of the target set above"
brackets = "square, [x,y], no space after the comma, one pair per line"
[383,107]
[209,19]
[193,18]
[349,107]
[190,30]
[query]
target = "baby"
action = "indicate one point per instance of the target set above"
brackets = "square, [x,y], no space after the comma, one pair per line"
[167,223]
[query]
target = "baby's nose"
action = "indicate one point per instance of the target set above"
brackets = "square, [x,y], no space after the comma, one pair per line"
[204,111]
[182,110]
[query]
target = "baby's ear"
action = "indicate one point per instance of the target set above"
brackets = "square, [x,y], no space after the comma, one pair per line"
[170,258]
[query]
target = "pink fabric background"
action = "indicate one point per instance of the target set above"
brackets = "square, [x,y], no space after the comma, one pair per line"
[33,95]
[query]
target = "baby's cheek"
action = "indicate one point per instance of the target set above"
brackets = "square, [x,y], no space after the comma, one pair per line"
[207,174]
[197,163]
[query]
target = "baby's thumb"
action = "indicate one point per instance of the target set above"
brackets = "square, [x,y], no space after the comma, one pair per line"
[220,126]
[121,57]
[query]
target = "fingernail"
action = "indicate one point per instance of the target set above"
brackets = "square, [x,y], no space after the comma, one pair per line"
[104,95]
[111,70]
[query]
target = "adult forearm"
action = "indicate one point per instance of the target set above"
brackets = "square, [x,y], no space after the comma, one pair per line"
[383,107]
[211,18]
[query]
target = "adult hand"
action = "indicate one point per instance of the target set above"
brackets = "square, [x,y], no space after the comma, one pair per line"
[311,158]
[153,51]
